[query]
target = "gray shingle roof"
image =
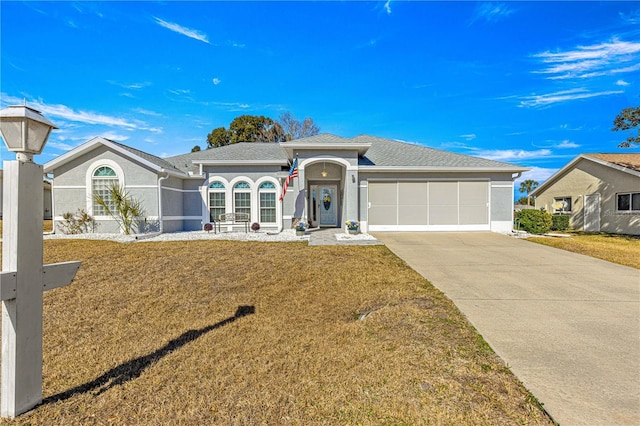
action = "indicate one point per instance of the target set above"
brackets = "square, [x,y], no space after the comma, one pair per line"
[389,153]
[323,138]
[160,162]
[243,151]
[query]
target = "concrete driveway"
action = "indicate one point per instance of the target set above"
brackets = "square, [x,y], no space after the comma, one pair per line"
[567,325]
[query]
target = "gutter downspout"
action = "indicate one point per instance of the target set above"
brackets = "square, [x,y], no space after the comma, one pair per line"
[160,219]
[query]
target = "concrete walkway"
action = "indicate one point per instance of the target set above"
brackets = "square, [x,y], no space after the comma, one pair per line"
[327,237]
[567,325]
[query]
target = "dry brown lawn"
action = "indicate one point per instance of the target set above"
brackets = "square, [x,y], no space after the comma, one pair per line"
[47,226]
[621,249]
[220,332]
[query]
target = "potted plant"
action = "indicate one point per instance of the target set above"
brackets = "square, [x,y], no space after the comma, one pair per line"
[352,226]
[255,226]
[208,227]
[301,226]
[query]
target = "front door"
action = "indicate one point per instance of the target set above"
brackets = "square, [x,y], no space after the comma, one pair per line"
[592,213]
[327,205]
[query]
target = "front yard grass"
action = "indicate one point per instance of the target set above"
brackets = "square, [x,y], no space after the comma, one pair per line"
[621,249]
[221,332]
[47,226]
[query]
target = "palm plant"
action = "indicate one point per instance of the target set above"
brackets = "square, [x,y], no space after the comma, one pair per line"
[121,206]
[527,186]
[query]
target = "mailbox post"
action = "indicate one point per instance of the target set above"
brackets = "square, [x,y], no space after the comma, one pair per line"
[24,278]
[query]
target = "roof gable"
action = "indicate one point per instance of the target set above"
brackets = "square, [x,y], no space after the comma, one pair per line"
[627,163]
[155,163]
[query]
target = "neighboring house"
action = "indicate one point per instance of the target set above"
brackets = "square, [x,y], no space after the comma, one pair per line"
[47,209]
[387,185]
[601,192]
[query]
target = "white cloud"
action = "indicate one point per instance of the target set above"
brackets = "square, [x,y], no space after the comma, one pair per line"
[595,60]
[216,81]
[469,137]
[180,91]
[622,83]
[131,86]
[87,117]
[567,144]
[64,112]
[191,33]
[539,174]
[563,96]
[512,154]
[115,136]
[60,145]
[387,7]
[147,112]
[491,12]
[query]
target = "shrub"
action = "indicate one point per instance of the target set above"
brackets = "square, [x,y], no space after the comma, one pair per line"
[560,222]
[535,221]
[208,227]
[255,226]
[77,223]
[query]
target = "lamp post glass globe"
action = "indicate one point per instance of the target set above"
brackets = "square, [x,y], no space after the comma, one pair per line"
[24,130]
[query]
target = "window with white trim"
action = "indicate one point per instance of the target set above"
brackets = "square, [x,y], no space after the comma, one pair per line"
[242,198]
[628,202]
[217,202]
[267,199]
[562,205]
[102,180]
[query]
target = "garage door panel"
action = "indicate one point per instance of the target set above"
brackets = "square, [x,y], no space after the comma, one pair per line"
[443,193]
[443,215]
[474,215]
[383,215]
[412,193]
[474,193]
[383,193]
[412,215]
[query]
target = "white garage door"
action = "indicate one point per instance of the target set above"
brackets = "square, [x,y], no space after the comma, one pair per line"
[428,206]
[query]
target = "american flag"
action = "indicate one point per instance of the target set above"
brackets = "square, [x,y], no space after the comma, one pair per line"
[293,173]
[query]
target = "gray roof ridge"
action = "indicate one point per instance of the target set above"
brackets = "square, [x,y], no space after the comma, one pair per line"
[158,161]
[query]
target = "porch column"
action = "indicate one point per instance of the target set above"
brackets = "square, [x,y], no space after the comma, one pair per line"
[351,194]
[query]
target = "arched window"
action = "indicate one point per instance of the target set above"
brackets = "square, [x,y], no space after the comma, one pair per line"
[242,198]
[216,200]
[101,182]
[267,197]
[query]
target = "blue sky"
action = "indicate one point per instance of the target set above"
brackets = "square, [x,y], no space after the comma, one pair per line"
[530,83]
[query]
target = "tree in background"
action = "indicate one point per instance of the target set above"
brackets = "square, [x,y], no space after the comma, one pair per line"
[250,128]
[527,186]
[628,119]
[217,137]
[296,129]
[522,201]
[254,128]
[196,148]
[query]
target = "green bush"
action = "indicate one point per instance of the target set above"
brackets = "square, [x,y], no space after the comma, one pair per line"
[560,222]
[534,221]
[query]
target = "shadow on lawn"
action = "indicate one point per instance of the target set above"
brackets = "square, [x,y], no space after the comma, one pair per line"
[133,369]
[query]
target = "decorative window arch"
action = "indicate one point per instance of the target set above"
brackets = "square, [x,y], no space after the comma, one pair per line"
[267,202]
[242,197]
[217,200]
[104,177]
[100,176]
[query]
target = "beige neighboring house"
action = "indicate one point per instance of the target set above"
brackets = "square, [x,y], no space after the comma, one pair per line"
[47,207]
[601,192]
